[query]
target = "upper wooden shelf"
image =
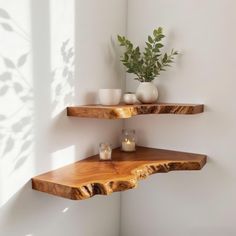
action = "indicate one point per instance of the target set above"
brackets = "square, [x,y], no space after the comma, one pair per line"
[126,111]
[90,176]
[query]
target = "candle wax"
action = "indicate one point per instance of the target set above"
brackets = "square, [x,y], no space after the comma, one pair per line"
[105,155]
[128,146]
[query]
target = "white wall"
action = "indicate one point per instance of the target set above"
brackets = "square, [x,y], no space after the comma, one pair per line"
[53,54]
[184,203]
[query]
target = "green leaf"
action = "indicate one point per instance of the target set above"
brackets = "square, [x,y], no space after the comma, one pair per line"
[148,50]
[159,30]
[165,57]
[160,37]
[155,33]
[130,71]
[137,49]
[130,45]
[119,38]
[149,45]
[150,40]
[159,45]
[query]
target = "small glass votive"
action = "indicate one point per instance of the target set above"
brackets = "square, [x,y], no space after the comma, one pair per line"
[105,151]
[128,140]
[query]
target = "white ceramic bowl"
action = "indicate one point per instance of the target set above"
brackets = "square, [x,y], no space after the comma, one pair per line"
[109,97]
[130,98]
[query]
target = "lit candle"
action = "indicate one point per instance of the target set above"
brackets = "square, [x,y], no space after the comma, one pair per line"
[105,152]
[128,146]
[105,155]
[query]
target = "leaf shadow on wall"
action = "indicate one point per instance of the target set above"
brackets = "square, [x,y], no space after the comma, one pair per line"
[23,130]
[16,126]
[63,77]
[24,122]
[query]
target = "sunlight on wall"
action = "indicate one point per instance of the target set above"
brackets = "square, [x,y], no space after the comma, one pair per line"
[22,89]
[65,210]
[62,51]
[16,98]
[63,157]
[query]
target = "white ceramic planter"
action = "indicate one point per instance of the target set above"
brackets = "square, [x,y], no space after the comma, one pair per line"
[147,92]
[109,97]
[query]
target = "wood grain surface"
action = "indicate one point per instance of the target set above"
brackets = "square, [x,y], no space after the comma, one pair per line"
[91,176]
[126,111]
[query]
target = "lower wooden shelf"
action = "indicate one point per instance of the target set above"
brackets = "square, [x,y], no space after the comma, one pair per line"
[91,176]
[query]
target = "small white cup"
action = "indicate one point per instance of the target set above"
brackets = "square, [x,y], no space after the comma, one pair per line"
[109,97]
[130,98]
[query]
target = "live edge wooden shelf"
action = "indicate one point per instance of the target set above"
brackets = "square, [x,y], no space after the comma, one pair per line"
[90,176]
[126,111]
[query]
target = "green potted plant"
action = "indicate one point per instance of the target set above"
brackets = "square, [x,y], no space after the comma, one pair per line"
[146,65]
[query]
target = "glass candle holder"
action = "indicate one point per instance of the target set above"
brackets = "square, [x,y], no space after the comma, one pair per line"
[128,140]
[105,151]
